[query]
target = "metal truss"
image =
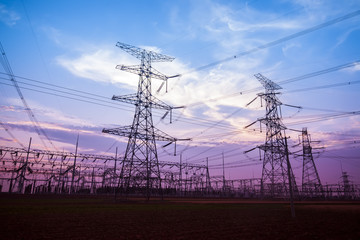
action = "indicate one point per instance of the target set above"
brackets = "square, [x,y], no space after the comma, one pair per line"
[40,171]
[140,168]
[311,184]
[139,53]
[276,170]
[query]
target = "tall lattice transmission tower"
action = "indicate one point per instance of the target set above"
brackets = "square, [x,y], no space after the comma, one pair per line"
[311,184]
[276,170]
[140,168]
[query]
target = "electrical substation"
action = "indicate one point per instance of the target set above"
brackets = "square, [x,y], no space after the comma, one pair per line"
[140,172]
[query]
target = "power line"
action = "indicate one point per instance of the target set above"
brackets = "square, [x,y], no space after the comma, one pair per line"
[57,86]
[11,135]
[69,91]
[33,119]
[336,68]
[205,123]
[317,73]
[320,119]
[281,40]
[237,166]
[323,87]
[286,81]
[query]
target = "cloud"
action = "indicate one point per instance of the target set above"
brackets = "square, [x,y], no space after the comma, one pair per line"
[28,126]
[288,47]
[54,34]
[355,68]
[251,20]
[8,17]
[7,140]
[7,108]
[191,87]
[100,65]
[345,36]
[44,112]
[230,31]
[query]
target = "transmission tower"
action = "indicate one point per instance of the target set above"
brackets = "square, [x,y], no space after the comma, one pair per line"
[311,184]
[276,165]
[140,168]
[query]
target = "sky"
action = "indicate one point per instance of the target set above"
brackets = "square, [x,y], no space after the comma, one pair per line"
[64,54]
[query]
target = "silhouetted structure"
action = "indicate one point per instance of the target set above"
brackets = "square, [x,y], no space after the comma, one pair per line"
[276,170]
[140,168]
[311,184]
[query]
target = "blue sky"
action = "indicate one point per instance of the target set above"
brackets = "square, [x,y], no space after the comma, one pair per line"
[72,44]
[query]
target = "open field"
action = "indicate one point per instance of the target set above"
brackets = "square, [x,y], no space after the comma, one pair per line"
[87,217]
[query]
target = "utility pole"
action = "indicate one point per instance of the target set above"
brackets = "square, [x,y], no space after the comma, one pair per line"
[223,161]
[208,184]
[93,185]
[180,175]
[114,180]
[60,174]
[140,167]
[290,182]
[23,169]
[74,166]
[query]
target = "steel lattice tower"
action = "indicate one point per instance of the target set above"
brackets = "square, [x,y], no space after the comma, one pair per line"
[276,165]
[311,184]
[140,169]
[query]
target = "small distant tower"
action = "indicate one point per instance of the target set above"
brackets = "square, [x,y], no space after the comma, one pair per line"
[346,185]
[140,168]
[311,184]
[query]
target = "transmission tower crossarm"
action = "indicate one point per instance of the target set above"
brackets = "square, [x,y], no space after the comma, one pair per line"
[270,97]
[252,149]
[158,75]
[139,53]
[137,69]
[127,131]
[134,99]
[267,83]
[251,124]
[251,101]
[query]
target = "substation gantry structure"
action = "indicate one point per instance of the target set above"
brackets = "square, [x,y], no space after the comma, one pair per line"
[277,179]
[34,171]
[140,168]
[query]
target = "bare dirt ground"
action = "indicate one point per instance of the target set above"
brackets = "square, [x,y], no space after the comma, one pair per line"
[87,217]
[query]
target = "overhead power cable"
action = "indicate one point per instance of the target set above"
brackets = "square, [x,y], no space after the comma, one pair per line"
[11,135]
[317,73]
[33,119]
[87,95]
[320,119]
[286,81]
[199,121]
[322,87]
[281,40]
[96,99]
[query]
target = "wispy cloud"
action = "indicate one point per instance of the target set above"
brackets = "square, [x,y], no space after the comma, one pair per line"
[99,66]
[345,36]
[28,126]
[231,31]
[8,17]
[43,112]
